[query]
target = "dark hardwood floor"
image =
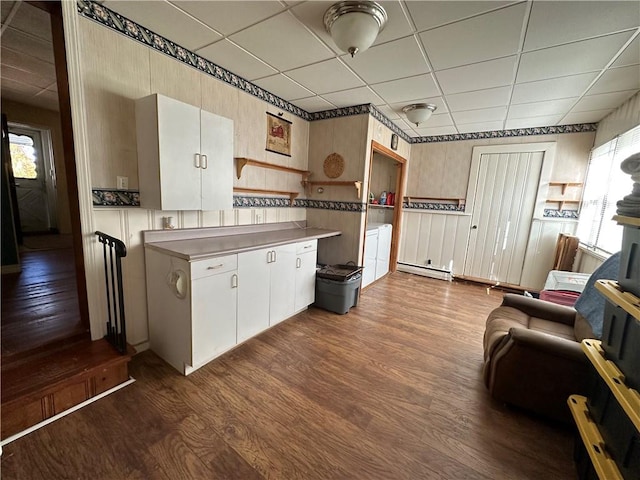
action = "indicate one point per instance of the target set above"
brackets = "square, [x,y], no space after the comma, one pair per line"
[40,304]
[390,391]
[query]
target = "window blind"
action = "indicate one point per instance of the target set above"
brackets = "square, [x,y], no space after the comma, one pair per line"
[604,186]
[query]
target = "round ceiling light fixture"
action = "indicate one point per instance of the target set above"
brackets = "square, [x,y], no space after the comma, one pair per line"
[354,26]
[419,112]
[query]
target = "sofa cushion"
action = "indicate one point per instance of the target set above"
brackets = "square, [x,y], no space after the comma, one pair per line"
[552,328]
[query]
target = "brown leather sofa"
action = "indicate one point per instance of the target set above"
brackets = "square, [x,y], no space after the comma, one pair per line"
[532,355]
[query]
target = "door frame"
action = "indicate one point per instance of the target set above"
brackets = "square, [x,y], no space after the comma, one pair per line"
[548,161]
[397,208]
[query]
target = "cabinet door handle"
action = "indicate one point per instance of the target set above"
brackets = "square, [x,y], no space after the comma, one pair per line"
[298,262]
[214,267]
[308,246]
[205,162]
[275,258]
[234,280]
[269,256]
[197,160]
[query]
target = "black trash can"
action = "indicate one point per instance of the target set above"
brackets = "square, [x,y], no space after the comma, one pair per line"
[338,287]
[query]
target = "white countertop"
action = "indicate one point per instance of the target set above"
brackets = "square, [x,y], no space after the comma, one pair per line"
[215,246]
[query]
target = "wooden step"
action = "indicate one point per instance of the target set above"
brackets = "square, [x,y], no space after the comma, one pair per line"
[38,387]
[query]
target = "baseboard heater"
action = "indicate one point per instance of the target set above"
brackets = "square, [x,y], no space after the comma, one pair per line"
[426,270]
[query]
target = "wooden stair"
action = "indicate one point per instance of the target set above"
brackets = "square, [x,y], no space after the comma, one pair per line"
[50,381]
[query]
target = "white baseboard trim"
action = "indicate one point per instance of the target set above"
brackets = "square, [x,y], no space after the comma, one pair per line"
[141,347]
[65,413]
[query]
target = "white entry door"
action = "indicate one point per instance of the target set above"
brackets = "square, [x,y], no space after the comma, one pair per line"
[506,190]
[30,172]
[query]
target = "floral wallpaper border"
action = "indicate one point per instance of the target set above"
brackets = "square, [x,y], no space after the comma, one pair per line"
[103,15]
[105,197]
[567,214]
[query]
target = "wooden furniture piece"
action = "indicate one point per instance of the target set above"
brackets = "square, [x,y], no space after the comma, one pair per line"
[185,156]
[242,162]
[566,250]
[357,184]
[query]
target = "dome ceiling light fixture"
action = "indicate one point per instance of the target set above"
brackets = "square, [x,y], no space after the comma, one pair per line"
[419,112]
[354,26]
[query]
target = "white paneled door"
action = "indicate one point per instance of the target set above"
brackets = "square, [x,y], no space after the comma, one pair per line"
[503,207]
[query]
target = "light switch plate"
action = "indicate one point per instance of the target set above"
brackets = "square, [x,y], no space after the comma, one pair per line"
[122,182]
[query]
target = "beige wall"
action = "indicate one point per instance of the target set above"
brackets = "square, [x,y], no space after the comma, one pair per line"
[441,170]
[117,71]
[50,120]
[624,118]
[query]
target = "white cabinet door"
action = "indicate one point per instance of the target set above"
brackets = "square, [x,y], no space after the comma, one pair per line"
[216,147]
[305,279]
[185,156]
[370,253]
[383,250]
[214,301]
[253,293]
[283,283]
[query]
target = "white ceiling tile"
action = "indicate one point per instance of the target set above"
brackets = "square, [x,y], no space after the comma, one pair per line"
[355,96]
[390,113]
[407,89]
[482,115]
[479,127]
[5,9]
[32,19]
[541,109]
[397,59]
[432,14]
[630,55]
[282,42]
[570,59]
[603,101]
[432,131]
[324,77]
[230,17]
[28,78]
[35,47]
[236,60]
[493,97]
[47,99]
[585,117]
[27,63]
[437,101]
[479,76]
[167,20]
[552,23]
[561,87]
[492,35]
[397,26]
[20,88]
[313,104]
[530,122]
[617,80]
[283,87]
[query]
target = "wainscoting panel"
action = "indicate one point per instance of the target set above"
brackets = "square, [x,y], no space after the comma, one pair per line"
[439,237]
[541,248]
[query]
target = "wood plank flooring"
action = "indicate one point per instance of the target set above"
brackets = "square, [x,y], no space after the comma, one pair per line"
[40,304]
[390,391]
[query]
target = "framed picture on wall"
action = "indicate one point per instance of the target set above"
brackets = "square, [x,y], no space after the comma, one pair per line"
[278,135]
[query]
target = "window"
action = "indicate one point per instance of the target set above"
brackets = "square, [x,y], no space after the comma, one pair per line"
[23,156]
[604,186]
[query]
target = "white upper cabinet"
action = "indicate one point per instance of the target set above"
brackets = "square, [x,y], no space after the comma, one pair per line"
[185,156]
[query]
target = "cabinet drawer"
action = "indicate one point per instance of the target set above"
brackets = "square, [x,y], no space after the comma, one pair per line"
[308,246]
[213,266]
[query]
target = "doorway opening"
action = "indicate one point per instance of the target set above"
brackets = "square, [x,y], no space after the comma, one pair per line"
[386,180]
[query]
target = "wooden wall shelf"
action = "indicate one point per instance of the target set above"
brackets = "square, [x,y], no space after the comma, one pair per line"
[357,184]
[292,195]
[561,202]
[461,201]
[241,162]
[564,185]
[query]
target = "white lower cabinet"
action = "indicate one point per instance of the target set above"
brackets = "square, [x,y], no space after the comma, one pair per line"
[370,254]
[201,309]
[306,260]
[383,252]
[266,292]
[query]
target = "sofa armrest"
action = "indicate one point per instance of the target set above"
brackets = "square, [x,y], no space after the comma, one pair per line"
[535,307]
[547,344]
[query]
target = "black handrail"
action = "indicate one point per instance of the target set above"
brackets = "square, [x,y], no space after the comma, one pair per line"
[116,326]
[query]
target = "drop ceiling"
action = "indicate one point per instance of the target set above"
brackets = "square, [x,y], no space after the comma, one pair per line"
[489,65]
